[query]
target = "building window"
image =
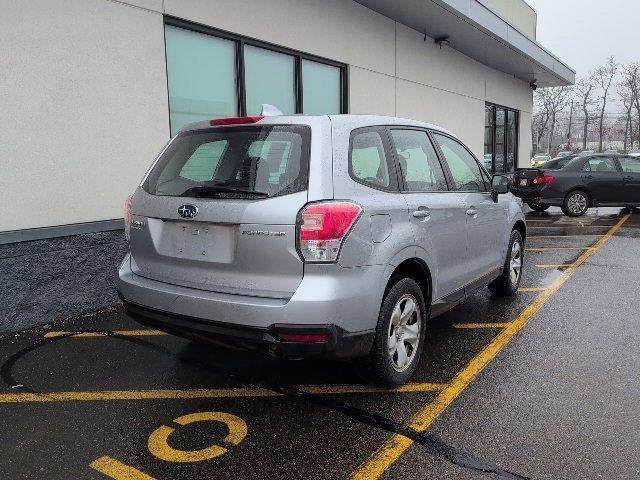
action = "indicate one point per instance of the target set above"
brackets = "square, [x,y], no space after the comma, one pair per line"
[321,88]
[269,78]
[500,139]
[200,75]
[216,74]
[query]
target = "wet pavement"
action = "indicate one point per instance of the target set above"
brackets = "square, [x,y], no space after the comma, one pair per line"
[543,385]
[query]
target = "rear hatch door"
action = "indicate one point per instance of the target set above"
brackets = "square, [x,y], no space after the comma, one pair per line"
[218,210]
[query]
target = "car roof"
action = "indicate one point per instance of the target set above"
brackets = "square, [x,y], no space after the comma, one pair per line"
[349,121]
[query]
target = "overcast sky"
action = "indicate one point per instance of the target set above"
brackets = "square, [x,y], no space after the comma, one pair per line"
[583,33]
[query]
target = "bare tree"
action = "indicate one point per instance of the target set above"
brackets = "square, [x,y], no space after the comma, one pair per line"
[585,92]
[539,121]
[604,76]
[626,98]
[552,101]
[632,82]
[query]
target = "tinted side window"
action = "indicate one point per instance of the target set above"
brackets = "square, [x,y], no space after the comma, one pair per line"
[464,168]
[367,159]
[630,164]
[419,164]
[600,164]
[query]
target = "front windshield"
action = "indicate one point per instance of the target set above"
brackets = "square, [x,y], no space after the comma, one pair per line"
[233,162]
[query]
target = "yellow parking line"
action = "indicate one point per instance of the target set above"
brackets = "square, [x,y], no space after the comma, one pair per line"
[555,265]
[550,249]
[114,469]
[107,395]
[481,325]
[395,446]
[572,226]
[566,236]
[128,333]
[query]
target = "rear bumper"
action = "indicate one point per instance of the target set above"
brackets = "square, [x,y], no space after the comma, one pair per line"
[339,344]
[538,196]
[341,302]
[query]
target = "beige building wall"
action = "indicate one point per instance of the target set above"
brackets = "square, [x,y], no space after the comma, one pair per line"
[85,95]
[83,108]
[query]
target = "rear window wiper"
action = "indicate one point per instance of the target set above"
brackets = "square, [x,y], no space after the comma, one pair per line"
[212,191]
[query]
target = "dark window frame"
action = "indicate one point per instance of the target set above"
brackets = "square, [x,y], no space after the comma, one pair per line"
[396,161]
[392,164]
[445,164]
[516,143]
[241,41]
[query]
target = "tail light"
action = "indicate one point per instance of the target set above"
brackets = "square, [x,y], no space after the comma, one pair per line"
[127,217]
[235,120]
[543,180]
[323,227]
[304,337]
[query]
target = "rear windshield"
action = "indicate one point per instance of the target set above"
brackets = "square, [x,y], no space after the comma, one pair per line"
[558,163]
[233,162]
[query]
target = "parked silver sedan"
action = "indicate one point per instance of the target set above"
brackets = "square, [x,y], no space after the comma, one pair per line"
[326,236]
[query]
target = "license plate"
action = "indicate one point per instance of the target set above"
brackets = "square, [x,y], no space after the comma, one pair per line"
[523,182]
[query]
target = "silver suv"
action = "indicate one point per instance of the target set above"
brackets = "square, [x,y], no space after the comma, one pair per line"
[317,236]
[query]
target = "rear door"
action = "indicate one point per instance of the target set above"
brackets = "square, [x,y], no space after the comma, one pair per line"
[485,218]
[437,215]
[631,176]
[218,210]
[603,179]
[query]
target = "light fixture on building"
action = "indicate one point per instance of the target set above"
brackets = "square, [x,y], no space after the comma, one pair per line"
[442,40]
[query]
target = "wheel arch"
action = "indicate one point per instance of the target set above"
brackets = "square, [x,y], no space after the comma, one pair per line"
[416,269]
[522,228]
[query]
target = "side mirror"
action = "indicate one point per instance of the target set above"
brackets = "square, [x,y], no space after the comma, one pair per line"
[500,184]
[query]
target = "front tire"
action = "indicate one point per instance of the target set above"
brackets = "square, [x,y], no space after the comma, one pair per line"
[537,207]
[399,338]
[576,203]
[506,285]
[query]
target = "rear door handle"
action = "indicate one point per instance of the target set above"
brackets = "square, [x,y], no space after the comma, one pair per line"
[472,211]
[422,213]
[629,177]
[588,177]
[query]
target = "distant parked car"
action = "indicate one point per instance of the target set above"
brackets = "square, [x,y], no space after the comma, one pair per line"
[586,152]
[488,162]
[610,152]
[635,152]
[579,182]
[539,158]
[564,153]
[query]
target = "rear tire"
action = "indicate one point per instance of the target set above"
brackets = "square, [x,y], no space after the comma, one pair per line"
[537,207]
[399,340]
[506,285]
[576,203]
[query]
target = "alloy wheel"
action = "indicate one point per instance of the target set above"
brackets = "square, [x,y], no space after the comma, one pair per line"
[515,264]
[577,203]
[404,332]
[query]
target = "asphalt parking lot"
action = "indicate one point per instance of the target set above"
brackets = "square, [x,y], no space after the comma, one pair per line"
[543,385]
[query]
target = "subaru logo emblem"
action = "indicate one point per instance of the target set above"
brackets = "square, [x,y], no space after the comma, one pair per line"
[188,211]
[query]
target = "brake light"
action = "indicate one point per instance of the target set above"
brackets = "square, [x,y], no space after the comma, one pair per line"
[323,228]
[126,215]
[304,337]
[543,180]
[235,120]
